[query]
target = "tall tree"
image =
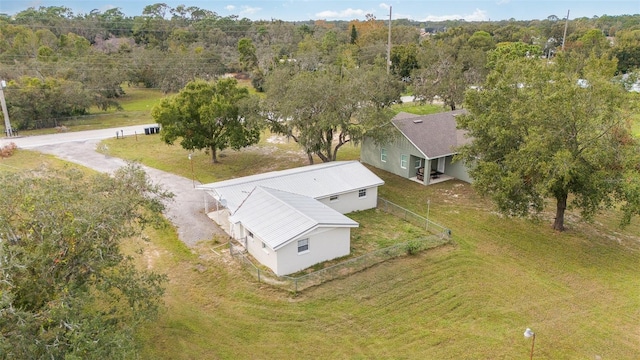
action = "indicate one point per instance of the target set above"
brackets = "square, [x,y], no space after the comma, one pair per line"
[67,290]
[208,115]
[248,58]
[326,109]
[538,133]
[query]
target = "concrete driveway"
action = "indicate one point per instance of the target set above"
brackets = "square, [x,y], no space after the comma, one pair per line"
[186,211]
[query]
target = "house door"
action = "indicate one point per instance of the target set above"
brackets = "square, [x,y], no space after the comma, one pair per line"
[441,162]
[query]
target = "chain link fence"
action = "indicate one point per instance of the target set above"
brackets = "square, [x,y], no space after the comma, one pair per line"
[441,235]
[413,218]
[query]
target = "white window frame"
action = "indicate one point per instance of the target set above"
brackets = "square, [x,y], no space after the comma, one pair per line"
[303,243]
[403,161]
[362,193]
[383,155]
[418,163]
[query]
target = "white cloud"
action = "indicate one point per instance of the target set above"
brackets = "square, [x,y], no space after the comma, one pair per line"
[230,7]
[248,10]
[384,6]
[348,13]
[503,2]
[477,15]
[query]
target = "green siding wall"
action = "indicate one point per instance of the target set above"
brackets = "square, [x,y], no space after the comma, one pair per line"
[370,154]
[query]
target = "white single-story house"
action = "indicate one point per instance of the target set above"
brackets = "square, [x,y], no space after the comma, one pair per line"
[292,219]
[289,232]
[423,150]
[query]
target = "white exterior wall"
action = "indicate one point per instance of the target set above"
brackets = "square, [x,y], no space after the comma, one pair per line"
[266,256]
[324,244]
[350,202]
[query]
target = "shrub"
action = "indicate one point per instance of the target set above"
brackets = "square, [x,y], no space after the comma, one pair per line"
[7,150]
[412,247]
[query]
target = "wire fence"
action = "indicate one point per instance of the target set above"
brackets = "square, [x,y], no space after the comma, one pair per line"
[440,236]
[413,218]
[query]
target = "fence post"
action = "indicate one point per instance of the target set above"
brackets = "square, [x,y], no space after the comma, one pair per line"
[259,275]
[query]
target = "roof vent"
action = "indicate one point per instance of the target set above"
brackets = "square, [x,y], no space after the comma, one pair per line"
[417,121]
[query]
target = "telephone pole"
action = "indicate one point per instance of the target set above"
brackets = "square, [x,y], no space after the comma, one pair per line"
[566,24]
[7,125]
[389,44]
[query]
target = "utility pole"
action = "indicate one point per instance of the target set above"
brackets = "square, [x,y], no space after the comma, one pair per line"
[389,44]
[5,112]
[566,24]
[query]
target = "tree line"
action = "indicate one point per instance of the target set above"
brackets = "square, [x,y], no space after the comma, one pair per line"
[59,64]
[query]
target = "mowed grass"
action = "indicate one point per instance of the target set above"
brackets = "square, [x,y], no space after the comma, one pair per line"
[578,290]
[136,110]
[25,159]
[272,153]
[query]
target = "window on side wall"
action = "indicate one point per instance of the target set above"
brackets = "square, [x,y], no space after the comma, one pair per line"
[303,246]
[418,163]
[333,198]
[362,193]
[383,155]
[403,161]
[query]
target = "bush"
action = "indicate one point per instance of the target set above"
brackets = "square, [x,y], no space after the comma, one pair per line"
[8,150]
[412,247]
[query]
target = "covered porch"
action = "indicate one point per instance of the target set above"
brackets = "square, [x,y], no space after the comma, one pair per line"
[429,171]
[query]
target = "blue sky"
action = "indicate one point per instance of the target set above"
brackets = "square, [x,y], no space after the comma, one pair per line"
[420,10]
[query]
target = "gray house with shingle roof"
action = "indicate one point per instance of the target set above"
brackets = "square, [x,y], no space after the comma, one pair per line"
[424,149]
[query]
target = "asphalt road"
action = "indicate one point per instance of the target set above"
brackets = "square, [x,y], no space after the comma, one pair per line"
[185,211]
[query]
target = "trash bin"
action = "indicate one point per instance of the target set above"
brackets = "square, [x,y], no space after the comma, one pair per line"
[157,129]
[147,131]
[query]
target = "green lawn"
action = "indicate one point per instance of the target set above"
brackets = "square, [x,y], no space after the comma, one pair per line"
[136,103]
[578,290]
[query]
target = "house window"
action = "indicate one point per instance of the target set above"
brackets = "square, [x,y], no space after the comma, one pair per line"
[362,193]
[250,234]
[303,246]
[403,161]
[418,163]
[333,198]
[383,155]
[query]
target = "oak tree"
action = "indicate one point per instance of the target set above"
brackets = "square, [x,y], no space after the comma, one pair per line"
[325,109]
[208,115]
[67,290]
[552,130]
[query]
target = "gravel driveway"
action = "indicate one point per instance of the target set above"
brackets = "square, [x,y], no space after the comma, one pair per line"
[186,211]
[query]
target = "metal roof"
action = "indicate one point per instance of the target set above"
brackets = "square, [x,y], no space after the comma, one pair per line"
[435,135]
[315,181]
[279,217]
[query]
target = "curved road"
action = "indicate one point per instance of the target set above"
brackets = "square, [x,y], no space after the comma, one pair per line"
[186,211]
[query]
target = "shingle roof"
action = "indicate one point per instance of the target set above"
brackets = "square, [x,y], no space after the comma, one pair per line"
[315,181]
[435,135]
[279,216]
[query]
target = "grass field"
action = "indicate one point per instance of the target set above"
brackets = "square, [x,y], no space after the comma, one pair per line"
[136,110]
[578,290]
